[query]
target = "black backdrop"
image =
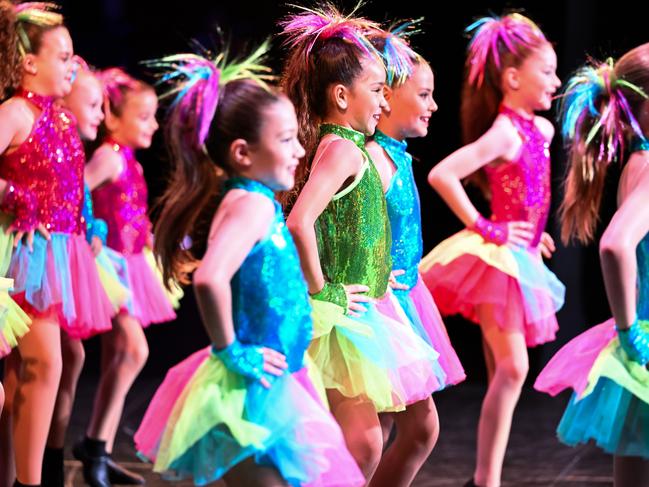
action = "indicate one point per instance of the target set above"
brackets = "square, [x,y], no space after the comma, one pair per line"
[121,33]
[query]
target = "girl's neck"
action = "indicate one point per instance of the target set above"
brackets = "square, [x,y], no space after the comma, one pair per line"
[516,105]
[337,120]
[120,141]
[33,85]
[391,129]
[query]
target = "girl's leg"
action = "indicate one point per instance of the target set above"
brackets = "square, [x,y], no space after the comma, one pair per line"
[630,471]
[250,474]
[488,360]
[361,428]
[73,356]
[124,353]
[33,403]
[511,367]
[417,433]
[7,466]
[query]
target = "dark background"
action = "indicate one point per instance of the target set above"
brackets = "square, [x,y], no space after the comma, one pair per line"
[121,33]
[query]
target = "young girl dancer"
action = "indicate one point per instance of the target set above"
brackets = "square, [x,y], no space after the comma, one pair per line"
[84,102]
[244,408]
[55,278]
[119,195]
[409,94]
[370,362]
[606,116]
[492,272]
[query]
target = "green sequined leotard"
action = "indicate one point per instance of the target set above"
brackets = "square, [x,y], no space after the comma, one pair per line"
[353,231]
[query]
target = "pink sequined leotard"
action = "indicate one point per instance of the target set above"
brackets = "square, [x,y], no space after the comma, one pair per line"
[521,188]
[122,203]
[49,163]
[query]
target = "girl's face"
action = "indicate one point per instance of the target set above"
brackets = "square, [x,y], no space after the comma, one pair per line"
[412,103]
[365,100]
[51,67]
[85,103]
[275,156]
[135,126]
[537,78]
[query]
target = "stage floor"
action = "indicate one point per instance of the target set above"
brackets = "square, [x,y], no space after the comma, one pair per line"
[534,456]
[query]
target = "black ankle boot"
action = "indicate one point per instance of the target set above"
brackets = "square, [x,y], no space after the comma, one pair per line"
[122,476]
[471,483]
[92,454]
[20,484]
[52,471]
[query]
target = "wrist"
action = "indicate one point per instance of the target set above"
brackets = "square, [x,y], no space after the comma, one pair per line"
[332,293]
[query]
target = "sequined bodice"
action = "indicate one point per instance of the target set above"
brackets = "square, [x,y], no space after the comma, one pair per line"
[270,303]
[521,188]
[122,204]
[49,163]
[642,254]
[404,211]
[353,231]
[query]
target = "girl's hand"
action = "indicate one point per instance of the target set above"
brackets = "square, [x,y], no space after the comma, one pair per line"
[96,245]
[394,284]
[547,245]
[516,233]
[252,361]
[355,297]
[28,236]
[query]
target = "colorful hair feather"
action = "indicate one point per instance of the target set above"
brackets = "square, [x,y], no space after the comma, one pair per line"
[326,22]
[512,32]
[115,82]
[399,58]
[595,95]
[38,13]
[195,81]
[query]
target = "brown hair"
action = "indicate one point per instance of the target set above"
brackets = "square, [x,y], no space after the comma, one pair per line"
[305,81]
[481,101]
[188,205]
[11,72]
[587,163]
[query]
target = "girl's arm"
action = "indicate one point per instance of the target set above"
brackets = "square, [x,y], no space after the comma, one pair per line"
[618,244]
[336,164]
[501,141]
[241,221]
[104,166]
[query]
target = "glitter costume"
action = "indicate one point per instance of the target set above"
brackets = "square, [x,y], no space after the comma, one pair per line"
[205,419]
[465,270]
[374,356]
[58,279]
[404,212]
[108,261]
[610,402]
[122,203]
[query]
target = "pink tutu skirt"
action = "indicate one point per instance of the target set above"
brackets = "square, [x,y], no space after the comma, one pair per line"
[148,299]
[424,316]
[59,280]
[203,420]
[464,272]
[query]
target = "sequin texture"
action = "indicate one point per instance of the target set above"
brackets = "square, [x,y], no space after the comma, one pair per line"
[49,163]
[122,204]
[404,211]
[521,188]
[270,304]
[353,231]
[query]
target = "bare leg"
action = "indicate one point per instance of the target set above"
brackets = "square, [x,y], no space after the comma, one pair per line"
[361,428]
[38,383]
[73,356]
[417,433]
[511,367]
[630,471]
[250,474]
[124,353]
[7,466]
